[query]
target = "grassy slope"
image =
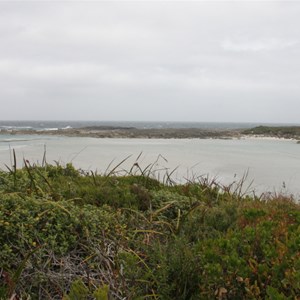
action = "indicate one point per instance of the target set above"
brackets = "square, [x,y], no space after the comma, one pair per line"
[83,236]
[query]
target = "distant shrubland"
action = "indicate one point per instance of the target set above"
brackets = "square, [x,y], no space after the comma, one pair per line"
[280,132]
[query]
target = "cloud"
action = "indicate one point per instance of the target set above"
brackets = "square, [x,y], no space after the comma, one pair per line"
[267,44]
[153,56]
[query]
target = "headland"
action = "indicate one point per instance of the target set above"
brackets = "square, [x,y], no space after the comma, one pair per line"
[284,132]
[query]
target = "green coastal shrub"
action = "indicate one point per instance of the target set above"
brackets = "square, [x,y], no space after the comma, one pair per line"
[68,234]
[58,231]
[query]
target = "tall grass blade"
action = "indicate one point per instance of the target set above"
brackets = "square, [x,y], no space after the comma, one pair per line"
[15,161]
[32,181]
[117,166]
[44,161]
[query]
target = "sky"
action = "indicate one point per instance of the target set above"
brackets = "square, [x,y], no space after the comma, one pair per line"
[205,61]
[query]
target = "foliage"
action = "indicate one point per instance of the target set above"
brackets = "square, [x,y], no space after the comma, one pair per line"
[70,234]
[281,132]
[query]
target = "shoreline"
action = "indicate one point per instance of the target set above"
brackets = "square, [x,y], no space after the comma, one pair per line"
[268,138]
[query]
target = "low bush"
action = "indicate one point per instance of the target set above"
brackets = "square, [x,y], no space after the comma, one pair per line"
[66,234]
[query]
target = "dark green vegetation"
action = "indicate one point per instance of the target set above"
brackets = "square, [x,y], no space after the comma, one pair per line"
[66,234]
[288,132]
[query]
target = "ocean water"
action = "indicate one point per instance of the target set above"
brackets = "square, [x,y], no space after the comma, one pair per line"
[271,165]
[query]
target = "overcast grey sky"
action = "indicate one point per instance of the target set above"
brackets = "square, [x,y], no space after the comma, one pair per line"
[152,61]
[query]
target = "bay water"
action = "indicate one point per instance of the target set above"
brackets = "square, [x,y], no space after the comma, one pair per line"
[271,165]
